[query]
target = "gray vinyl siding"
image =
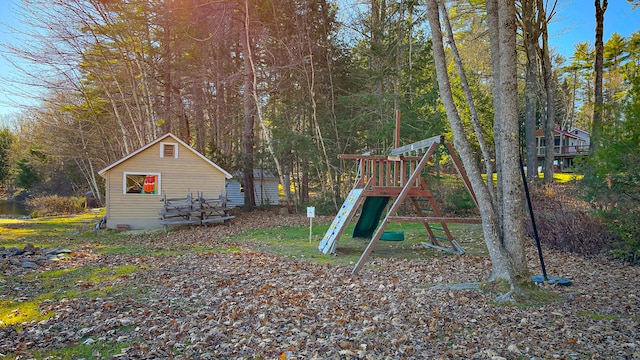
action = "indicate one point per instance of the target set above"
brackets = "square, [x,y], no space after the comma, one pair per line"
[266,191]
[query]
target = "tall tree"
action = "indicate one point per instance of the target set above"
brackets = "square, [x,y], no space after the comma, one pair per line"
[531,35]
[549,90]
[249,108]
[596,126]
[6,140]
[580,74]
[475,119]
[503,231]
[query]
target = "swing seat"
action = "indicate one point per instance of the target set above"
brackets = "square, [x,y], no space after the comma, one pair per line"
[392,236]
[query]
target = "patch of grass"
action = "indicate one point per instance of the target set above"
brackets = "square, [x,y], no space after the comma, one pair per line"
[565,177]
[12,312]
[557,177]
[98,349]
[535,296]
[128,246]
[43,230]
[140,250]
[532,296]
[294,242]
[608,317]
[56,279]
[85,281]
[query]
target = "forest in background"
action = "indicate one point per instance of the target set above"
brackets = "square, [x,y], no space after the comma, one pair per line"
[289,85]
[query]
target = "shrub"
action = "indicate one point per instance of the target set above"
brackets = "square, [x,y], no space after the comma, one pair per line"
[625,224]
[56,205]
[614,176]
[452,198]
[324,206]
[566,223]
[460,202]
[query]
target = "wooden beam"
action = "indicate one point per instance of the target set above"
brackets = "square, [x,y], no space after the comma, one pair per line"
[420,145]
[395,191]
[378,157]
[463,174]
[435,219]
[397,134]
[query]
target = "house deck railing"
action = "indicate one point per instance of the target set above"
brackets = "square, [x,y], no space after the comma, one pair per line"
[572,150]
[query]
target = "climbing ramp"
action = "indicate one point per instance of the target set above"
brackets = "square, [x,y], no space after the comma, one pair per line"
[346,212]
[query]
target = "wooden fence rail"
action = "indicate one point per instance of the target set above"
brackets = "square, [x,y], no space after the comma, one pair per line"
[192,210]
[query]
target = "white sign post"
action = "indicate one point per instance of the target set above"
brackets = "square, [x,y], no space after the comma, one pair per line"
[311,213]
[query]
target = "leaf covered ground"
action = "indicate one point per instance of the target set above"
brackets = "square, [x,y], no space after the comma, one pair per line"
[212,293]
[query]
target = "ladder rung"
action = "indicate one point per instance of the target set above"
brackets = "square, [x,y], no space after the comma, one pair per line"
[436,228]
[441,237]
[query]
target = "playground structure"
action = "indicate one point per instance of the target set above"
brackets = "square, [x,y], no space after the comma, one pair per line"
[400,176]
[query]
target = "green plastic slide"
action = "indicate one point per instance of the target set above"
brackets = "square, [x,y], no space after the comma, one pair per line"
[370,216]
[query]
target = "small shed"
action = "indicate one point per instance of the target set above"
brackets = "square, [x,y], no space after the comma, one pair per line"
[265,184]
[135,184]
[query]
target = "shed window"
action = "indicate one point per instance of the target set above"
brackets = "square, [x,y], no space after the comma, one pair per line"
[169,150]
[141,183]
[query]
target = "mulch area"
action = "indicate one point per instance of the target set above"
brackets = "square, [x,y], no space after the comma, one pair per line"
[250,305]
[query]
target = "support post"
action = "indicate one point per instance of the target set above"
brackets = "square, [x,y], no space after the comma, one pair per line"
[397,134]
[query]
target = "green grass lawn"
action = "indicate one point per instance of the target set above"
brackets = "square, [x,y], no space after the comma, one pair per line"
[557,177]
[294,242]
[40,231]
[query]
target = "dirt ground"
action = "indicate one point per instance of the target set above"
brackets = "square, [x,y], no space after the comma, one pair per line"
[244,304]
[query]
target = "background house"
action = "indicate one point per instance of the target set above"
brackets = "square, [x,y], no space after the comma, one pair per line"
[582,134]
[265,185]
[136,183]
[567,145]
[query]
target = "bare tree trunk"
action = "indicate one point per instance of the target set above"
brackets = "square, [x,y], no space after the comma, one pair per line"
[531,34]
[493,26]
[484,147]
[89,174]
[596,127]
[512,218]
[490,225]
[284,177]
[198,115]
[249,120]
[311,78]
[549,87]
[166,72]
[332,106]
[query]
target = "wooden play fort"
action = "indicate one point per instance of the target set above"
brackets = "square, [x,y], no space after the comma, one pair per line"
[399,176]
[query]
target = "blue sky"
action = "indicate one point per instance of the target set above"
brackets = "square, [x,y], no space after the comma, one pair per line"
[573,23]
[6,70]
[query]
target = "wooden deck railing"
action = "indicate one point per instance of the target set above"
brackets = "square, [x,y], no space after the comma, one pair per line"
[384,171]
[566,150]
